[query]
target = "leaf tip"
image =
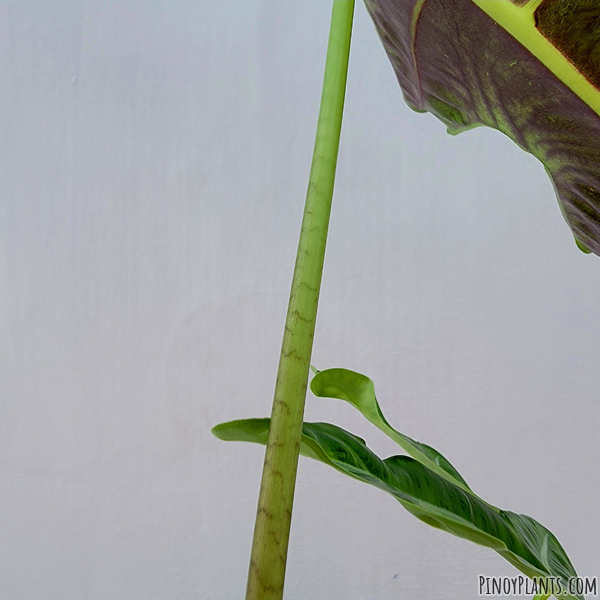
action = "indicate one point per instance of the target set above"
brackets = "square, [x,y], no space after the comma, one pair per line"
[217,430]
[582,247]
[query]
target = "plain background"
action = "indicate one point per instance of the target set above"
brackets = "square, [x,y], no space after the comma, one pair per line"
[154,158]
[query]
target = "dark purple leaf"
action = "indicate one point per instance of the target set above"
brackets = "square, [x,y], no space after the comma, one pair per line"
[456,61]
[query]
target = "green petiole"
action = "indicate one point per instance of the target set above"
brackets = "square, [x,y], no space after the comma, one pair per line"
[273,519]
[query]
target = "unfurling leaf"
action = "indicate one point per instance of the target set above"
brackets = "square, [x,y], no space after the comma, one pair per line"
[425,483]
[529,68]
[521,540]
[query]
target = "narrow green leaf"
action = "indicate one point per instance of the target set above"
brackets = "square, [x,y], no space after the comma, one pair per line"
[529,68]
[521,540]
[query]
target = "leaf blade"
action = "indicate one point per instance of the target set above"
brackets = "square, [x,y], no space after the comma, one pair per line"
[428,496]
[467,69]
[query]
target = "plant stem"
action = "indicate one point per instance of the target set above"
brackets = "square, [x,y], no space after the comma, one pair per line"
[273,519]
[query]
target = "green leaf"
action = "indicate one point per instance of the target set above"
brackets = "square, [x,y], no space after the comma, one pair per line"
[529,68]
[359,391]
[524,542]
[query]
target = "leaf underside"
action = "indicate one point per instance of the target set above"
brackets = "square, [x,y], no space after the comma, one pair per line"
[456,61]
[426,485]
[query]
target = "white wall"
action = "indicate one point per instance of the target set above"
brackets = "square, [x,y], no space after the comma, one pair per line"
[153,164]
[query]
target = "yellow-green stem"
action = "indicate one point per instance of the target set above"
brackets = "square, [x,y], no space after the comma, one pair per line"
[273,519]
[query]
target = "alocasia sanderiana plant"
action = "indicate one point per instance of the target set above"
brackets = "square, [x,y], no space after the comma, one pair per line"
[529,68]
